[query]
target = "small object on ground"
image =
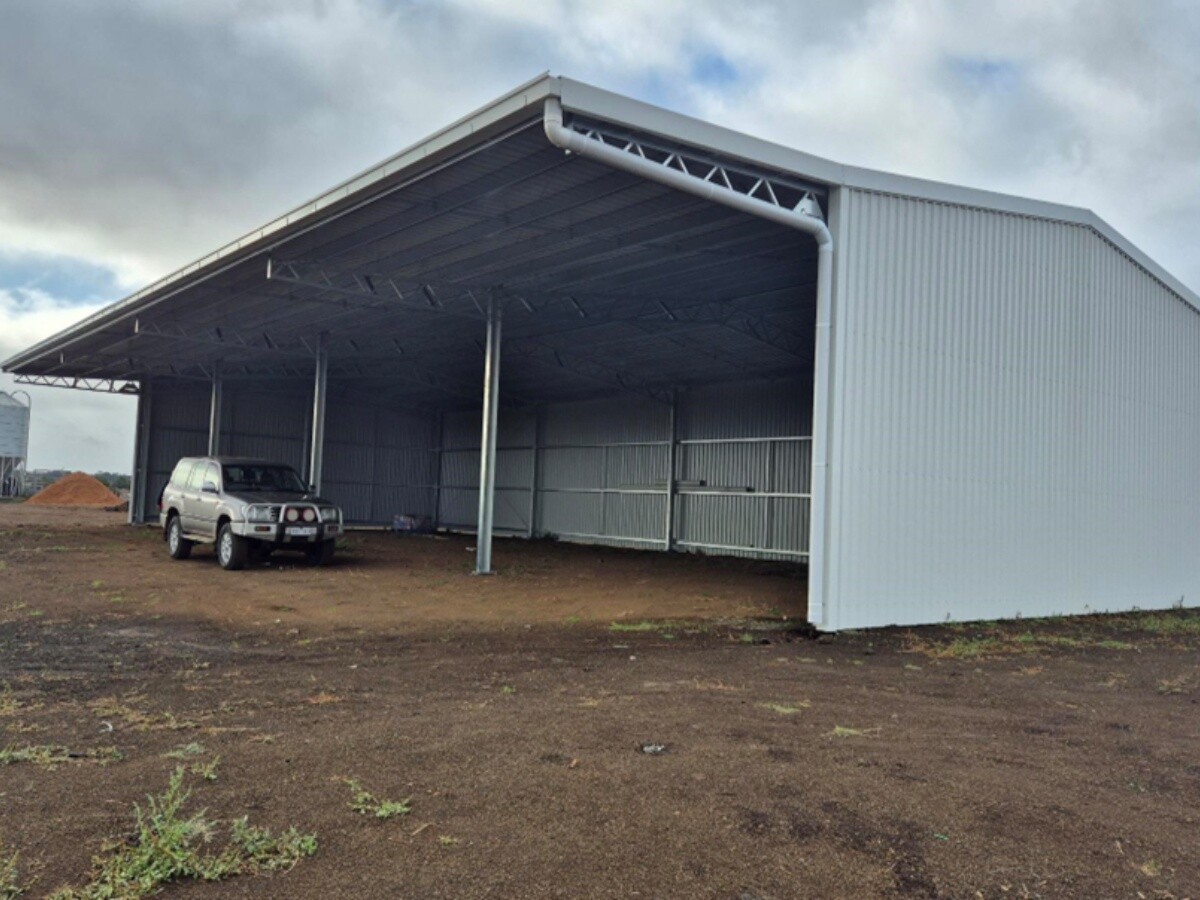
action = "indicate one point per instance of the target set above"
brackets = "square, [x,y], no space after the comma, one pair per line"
[411,523]
[651,748]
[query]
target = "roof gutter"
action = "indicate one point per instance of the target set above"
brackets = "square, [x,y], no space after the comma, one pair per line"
[805,218]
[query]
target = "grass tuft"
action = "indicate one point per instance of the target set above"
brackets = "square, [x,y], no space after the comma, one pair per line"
[624,627]
[169,845]
[840,731]
[206,770]
[785,709]
[9,704]
[186,751]
[51,756]
[367,804]
[10,875]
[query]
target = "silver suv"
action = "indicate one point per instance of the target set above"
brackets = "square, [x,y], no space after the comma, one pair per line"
[248,507]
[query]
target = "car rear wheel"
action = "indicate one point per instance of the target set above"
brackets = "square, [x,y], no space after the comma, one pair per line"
[177,545]
[321,554]
[231,549]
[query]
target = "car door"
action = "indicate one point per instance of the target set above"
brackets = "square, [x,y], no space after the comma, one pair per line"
[192,508]
[207,499]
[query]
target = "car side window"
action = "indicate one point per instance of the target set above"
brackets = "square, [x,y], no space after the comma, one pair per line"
[179,478]
[212,473]
[196,479]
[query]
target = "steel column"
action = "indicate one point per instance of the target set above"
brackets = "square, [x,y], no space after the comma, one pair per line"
[214,412]
[437,484]
[487,454]
[139,485]
[672,444]
[317,447]
[533,470]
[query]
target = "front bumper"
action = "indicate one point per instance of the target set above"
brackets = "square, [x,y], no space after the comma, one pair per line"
[284,534]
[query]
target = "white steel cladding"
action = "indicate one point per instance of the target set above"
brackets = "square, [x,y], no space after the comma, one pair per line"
[742,468]
[1017,421]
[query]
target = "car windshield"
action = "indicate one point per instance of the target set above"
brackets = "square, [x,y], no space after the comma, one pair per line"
[254,477]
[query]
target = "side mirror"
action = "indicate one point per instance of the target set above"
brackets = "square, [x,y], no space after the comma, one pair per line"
[210,487]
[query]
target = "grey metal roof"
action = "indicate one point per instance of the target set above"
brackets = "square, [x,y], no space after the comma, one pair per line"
[608,281]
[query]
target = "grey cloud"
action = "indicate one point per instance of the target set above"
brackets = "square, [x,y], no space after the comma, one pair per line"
[139,135]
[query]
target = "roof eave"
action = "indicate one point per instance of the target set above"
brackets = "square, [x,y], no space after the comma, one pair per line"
[474,126]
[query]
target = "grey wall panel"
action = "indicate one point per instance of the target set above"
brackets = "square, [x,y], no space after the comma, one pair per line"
[178,428]
[615,420]
[459,502]
[268,424]
[602,470]
[748,409]
[380,461]
[1016,421]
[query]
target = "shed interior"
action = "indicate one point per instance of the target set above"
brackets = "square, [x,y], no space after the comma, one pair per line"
[656,355]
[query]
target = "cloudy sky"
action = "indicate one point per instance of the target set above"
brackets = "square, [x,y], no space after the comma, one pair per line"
[138,135]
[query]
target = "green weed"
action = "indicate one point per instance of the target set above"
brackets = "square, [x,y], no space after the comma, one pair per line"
[840,731]
[169,845]
[266,852]
[1168,626]
[9,704]
[185,751]
[634,626]
[206,770]
[51,756]
[367,804]
[785,709]
[10,875]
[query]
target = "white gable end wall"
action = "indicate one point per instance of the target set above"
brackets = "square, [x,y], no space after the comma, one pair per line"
[1016,424]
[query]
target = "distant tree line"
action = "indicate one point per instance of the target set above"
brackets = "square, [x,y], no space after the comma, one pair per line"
[35,481]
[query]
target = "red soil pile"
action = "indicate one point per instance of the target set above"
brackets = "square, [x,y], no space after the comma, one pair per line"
[76,489]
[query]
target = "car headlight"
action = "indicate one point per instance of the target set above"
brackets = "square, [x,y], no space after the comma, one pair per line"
[258,514]
[329,514]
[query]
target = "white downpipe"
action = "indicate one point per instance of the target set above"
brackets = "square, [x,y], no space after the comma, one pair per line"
[588,148]
[214,411]
[487,444]
[316,449]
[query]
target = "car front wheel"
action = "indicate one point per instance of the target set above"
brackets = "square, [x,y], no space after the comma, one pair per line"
[177,545]
[231,549]
[321,554]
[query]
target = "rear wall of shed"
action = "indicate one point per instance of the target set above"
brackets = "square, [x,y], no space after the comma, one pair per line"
[600,467]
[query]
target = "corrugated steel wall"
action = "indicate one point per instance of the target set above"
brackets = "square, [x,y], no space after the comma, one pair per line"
[380,462]
[742,462]
[1016,421]
[602,465]
[178,427]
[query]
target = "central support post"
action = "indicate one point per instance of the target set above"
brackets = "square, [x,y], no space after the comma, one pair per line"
[316,448]
[487,448]
[672,448]
[214,413]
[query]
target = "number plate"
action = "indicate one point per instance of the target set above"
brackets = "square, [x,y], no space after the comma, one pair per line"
[302,531]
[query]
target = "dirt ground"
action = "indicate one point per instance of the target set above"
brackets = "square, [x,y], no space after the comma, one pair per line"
[1050,759]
